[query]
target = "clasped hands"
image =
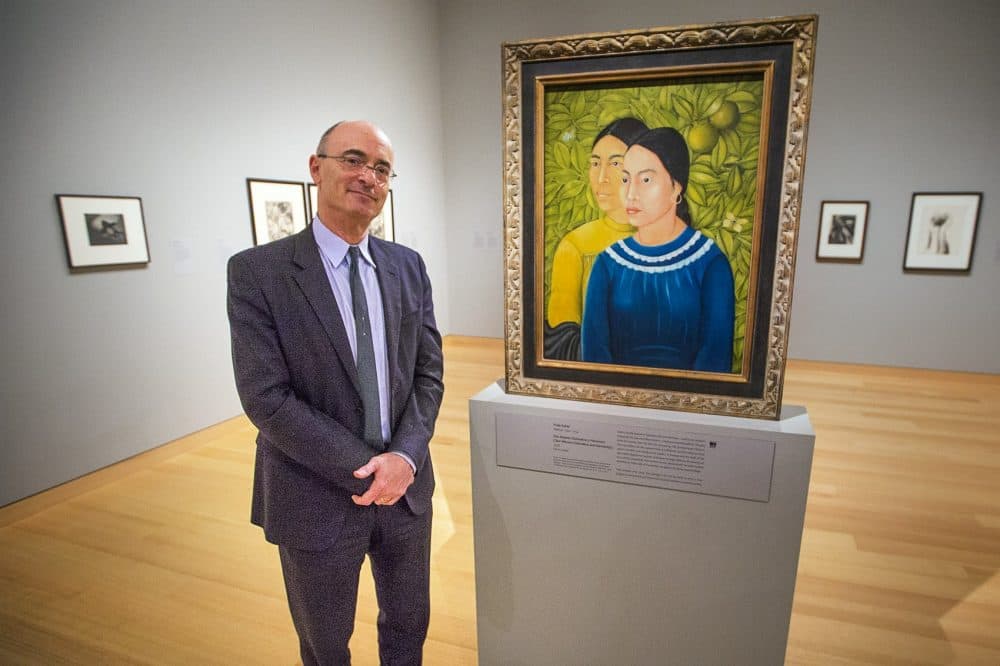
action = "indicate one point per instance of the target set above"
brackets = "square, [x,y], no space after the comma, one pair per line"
[393,475]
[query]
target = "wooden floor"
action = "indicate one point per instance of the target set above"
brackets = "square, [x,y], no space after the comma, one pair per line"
[153,560]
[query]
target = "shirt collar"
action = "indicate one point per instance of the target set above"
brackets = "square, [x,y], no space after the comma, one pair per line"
[334,247]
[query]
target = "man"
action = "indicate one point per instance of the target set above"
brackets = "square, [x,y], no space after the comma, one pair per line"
[338,363]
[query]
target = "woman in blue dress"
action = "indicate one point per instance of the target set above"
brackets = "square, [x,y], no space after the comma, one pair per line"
[662,298]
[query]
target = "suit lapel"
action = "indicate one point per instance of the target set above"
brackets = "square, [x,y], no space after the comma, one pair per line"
[315,285]
[389,284]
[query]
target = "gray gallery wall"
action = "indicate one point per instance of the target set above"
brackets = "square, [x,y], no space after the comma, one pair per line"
[904,100]
[178,103]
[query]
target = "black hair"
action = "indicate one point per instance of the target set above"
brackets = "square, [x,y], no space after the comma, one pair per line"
[671,149]
[626,130]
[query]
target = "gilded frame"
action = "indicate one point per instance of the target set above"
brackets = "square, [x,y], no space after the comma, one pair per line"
[771,57]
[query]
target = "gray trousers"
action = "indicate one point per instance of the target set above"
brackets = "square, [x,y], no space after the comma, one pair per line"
[322,586]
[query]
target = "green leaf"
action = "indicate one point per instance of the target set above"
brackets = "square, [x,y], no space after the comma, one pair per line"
[709,222]
[575,189]
[749,124]
[735,180]
[606,116]
[683,108]
[719,154]
[727,242]
[560,154]
[702,174]
[712,103]
[618,97]
[558,119]
[733,142]
[747,128]
[745,100]
[696,193]
[617,106]
[740,282]
[565,207]
[565,174]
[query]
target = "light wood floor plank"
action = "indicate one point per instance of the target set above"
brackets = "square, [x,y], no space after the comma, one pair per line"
[153,560]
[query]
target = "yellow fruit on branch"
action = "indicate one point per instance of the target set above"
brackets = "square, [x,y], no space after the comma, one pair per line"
[702,137]
[726,117]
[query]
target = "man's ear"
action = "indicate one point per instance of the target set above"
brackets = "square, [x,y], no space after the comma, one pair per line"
[314,164]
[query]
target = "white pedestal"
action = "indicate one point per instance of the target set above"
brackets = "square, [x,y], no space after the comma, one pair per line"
[573,570]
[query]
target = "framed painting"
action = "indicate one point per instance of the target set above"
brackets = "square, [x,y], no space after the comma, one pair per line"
[277,208]
[942,232]
[313,193]
[103,230]
[842,227]
[383,226]
[652,190]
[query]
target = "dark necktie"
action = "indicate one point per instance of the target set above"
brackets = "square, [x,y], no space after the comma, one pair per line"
[366,355]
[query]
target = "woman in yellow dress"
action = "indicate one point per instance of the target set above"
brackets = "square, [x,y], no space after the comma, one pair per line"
[576,252]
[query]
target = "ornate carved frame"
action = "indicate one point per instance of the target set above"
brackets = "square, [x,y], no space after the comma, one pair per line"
[790,43]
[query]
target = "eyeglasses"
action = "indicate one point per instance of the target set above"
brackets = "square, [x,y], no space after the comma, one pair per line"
[354,164]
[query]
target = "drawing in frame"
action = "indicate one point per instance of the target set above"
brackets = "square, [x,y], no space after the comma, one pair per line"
[277,208]
[597,309]
[383,225]
[103,230]
[941,236]
[842,229]
[313,189]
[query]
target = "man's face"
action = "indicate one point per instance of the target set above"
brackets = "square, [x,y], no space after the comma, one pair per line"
[354,195]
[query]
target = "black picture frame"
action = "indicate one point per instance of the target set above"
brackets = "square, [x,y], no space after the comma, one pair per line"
[843,227]
[103,231]
[277,208]
[941,233]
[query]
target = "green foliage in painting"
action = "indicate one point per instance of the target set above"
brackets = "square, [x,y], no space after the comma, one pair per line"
[721,122]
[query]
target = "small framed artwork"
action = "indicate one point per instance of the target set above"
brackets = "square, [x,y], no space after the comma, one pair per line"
[842,226]
[277,208]
[313,193]
[383,226]
[103,230]
[942,231]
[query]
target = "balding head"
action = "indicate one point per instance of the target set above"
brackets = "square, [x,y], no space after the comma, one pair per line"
[321,146]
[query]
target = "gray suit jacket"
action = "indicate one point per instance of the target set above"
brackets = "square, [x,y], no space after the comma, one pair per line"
[298,383]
